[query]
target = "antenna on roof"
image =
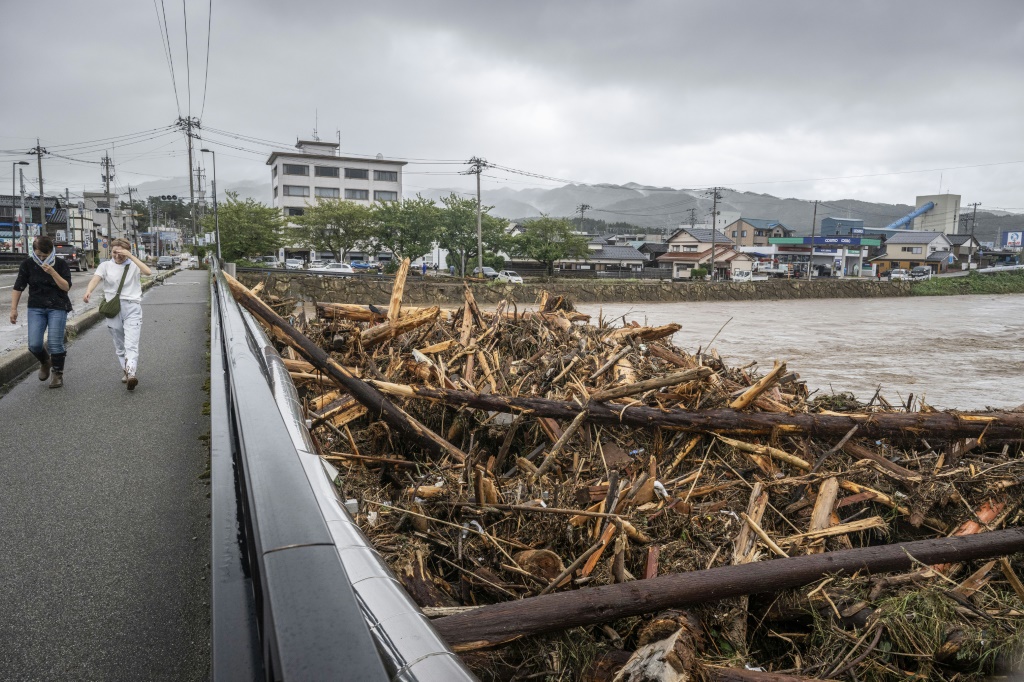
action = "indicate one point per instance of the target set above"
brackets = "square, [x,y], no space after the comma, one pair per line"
[316,122]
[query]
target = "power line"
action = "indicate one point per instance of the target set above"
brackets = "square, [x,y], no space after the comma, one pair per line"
[206,78]
[188,67]
[166,39]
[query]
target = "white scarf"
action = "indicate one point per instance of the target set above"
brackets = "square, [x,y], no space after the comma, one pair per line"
[50,259]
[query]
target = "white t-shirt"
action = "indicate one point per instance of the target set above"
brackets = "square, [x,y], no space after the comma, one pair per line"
[111,273]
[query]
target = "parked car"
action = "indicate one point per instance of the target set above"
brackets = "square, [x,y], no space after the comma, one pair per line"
[72,256]
[165,263]
[361,265]
[334,269]
[489,273]
[898,275]
[510,276]
[293,263]
[921,272]
[268,261]
[314,264]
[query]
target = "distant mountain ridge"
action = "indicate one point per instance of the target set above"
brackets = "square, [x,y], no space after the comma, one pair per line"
[653,208]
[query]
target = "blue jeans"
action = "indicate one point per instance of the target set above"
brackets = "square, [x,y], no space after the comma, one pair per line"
[41,319]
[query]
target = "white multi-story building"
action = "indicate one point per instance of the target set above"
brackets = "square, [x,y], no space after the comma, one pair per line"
[317,171]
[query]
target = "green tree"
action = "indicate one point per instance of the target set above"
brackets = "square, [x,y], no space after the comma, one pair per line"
[407,228]
[247,228]
[548,240]
[334,225]
[458,232]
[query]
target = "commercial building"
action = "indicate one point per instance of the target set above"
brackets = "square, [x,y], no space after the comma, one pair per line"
[944,216]
[318,171]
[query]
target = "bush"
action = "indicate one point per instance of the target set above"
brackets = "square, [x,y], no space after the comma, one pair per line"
[698,273]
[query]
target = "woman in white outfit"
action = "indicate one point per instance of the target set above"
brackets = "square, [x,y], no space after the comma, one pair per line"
[126,326]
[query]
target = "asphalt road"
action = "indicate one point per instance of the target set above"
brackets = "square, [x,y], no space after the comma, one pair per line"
[104,528]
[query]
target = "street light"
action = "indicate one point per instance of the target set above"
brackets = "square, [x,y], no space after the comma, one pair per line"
[216,216]
[13,164]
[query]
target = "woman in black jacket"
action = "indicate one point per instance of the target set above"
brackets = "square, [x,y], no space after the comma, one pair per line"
[48,280]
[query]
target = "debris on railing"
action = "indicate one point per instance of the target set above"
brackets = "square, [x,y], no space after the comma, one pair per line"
[527,458]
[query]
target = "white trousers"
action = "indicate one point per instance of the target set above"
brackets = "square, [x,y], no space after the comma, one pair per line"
[126,328]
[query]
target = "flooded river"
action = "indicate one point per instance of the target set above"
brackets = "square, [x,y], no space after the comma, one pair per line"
[963,352]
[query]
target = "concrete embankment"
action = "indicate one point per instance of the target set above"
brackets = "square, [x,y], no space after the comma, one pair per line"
[442,291]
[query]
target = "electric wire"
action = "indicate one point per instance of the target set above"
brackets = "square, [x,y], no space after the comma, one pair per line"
[188,66]
[206,77]
[170,53]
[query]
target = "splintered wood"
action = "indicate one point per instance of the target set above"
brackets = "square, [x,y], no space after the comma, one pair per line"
[507,457]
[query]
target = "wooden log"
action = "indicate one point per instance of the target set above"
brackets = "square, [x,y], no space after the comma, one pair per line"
[349,311]
[497,623]
[997,425]
[392,328]
[751,394]
[642,333]
[659,351]
[821,515]
[375,402]
[397,290]
[651,384]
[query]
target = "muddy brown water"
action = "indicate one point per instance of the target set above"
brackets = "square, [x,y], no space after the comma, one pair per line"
[962,352]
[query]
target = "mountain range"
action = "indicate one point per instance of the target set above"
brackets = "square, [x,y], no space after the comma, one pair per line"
[659,209]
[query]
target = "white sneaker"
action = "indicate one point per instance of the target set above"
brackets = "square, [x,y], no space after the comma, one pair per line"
[124,376]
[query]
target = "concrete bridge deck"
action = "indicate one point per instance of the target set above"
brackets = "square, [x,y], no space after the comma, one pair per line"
[104,528]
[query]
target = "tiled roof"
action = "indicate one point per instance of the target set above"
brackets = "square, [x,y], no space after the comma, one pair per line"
[703,235]
[913,237]
[609,252]
[939,256]
[762,224]
[958,239]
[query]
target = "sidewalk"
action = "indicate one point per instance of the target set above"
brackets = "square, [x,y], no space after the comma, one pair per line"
[104,511]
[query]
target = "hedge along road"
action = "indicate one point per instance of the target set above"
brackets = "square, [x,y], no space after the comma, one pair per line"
[958,352]
[105,551]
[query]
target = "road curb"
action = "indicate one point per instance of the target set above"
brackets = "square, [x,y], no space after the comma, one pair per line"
[16,363]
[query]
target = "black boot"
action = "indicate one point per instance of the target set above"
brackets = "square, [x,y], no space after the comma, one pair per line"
[44,365]
[57,360]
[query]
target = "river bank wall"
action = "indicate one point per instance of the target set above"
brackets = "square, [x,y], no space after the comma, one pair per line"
[441,291]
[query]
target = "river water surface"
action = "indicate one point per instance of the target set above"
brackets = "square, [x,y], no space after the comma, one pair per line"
[961,352]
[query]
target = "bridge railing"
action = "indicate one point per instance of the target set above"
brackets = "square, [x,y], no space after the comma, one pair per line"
[298,591]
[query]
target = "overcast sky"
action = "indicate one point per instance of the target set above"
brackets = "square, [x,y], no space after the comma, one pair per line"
[789,98]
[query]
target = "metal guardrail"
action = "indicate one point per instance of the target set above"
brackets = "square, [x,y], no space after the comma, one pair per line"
[298,591]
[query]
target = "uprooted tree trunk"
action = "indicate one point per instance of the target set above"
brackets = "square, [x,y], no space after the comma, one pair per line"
[498,623]
[937,425]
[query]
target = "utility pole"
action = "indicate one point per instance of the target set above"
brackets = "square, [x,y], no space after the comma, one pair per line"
[974,220]
[810,256]
[187,124]
[39,151]
[107,175]
[24,224]
[131,220]
[476,167]
[715,196]
[583,208]
[693,217]
[70,236]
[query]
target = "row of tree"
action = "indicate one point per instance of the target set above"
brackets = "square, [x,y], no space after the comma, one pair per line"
[409,228]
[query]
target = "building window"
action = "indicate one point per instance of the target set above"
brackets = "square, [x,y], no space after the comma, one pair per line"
[275,192]
[327,171]
[296,191]
[385,196]
[357,173]
[744,233]
[357,194]
[294,211]
[328,192]
[273,171]
[911,249]
[295,169]
[385,176]
[690,248]
[734,233]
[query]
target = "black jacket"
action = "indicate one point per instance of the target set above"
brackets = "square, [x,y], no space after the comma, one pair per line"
[43,292]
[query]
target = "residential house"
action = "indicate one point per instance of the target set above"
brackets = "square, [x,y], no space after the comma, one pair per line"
[604,257]
[909,248]
[964,247]
[652,250]
[756,231]
[690,248]
[318,171]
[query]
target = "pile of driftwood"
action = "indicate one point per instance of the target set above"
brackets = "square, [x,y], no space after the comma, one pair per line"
[569,499]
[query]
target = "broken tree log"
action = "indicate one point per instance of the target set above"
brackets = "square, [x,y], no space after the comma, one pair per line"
[1007,426]
[498,623]
[376,403]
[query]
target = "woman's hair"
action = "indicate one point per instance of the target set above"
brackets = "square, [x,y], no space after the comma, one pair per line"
[123,243]
[44,244]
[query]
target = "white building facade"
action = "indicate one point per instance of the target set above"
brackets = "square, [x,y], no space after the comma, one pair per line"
[317,171]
